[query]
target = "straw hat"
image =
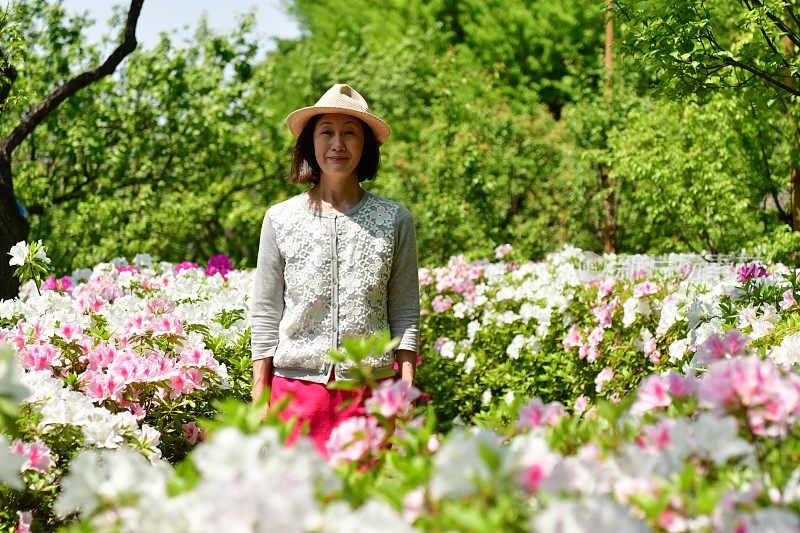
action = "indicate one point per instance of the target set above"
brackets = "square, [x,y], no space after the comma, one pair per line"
[340,98]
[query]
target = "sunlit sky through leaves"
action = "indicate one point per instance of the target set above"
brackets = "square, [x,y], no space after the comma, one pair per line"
[180,18]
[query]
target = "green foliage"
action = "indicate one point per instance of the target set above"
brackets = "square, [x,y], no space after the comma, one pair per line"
[782,245]
[700,45]
[682,185]
[357,356]
[500,120]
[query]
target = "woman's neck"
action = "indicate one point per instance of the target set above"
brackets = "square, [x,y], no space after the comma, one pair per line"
[336,195]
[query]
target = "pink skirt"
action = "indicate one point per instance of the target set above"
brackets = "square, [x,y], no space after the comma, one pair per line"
[316,407]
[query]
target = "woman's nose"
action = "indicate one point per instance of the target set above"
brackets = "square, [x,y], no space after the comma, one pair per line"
[337,143]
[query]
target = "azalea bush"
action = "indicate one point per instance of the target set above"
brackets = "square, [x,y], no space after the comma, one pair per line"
[125,354]
[579,392]
[713,450]
[577,327]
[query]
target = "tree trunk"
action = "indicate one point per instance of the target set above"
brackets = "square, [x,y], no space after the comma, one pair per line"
[794,172]
[609,207]
[608,57]
[609,211]
[13,228]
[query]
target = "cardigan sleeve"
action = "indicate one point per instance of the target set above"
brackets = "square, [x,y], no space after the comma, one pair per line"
[403,288]
[267,304]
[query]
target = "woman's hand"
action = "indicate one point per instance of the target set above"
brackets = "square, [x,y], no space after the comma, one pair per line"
[262,379]
[407,361]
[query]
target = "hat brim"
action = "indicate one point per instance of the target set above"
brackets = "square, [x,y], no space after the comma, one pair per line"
[298,119]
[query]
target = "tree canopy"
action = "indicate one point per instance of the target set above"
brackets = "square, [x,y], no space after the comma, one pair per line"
[499,116]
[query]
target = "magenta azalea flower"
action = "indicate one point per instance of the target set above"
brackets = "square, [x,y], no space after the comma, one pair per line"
[750,271]
[219,264]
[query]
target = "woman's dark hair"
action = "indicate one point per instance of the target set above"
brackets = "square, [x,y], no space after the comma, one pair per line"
[305,168]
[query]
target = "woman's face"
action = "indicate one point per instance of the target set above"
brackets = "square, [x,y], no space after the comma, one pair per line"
[338,143]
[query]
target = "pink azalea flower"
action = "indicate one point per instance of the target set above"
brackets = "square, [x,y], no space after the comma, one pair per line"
[100,386]
[606,288]
[40,357]
[63,284]
[159,306]
[602,377]
[166,324]
[596,336]
[413,504]
[602,315]
[36,454]
[433,444]
[392,398]
[716,347]
[90,302]
[643,289]
[186,265]
[788,300]
[535,474]
[101,356]
[592,354]
[651,350]
[127,268]
[437,345]
[573,338]
[502,251]
[583,351]
[770,400]
[198,357]
[441,303]
[681,386]
[736,342]
[671,521]
[654,438]
[50,284]
[193,433]
[425,277]
[69,332]
[136,324]
[355,439]
[650,346]
[652,394]
[536,414]
[25,522]
[581,404]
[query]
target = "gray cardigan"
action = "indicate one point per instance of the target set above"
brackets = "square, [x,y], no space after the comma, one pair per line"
[323,277]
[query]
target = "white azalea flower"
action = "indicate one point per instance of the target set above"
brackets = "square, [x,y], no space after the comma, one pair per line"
[372,517]
[19,254]
[459,463]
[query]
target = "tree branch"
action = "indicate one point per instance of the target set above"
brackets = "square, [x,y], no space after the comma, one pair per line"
[761,74]
[61,93]
[784,28]
[769,41]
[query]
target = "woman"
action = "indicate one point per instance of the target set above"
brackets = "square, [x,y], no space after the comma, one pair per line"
[333,262]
